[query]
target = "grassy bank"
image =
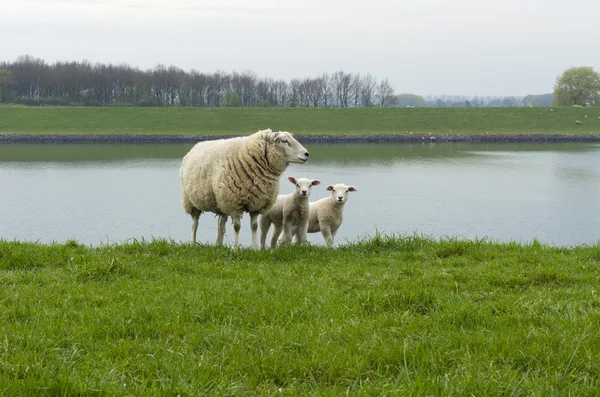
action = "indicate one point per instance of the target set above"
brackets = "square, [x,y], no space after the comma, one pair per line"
[388,315]
[206,121]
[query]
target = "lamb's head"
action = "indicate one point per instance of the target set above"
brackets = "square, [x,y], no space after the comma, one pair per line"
[292,150]
[339,192]
[303,185]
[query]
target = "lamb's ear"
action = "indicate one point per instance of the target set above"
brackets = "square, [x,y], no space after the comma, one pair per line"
[330,188]
[292,179]
[316,182]
[352,189]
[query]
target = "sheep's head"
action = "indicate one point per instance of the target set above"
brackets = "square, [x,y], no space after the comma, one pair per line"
[292,150]
[303,185]
[339,192]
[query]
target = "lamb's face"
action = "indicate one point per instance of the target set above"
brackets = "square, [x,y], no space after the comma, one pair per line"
[339,192]
[293,151]
[303,185]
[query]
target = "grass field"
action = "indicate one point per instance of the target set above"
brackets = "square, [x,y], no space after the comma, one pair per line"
[175,120]
[385,316]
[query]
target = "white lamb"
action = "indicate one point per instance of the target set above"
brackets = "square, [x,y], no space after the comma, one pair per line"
[289,213]
[327,214]
[236,175]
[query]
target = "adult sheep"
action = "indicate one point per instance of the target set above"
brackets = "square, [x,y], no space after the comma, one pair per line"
[236,175]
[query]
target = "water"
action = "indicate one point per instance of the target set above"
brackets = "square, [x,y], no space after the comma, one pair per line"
[100,194]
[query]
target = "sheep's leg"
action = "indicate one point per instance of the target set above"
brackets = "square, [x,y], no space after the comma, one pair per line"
[254,227]
[276,232]
[287,233]
[221,229]
[301,233]
[195,217]
[326,231]
[265,224]
[236,230]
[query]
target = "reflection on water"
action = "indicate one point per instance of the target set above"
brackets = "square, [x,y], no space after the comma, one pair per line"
[106,193]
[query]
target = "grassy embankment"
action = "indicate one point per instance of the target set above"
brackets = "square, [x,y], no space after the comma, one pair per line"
[66,120]
[387,316]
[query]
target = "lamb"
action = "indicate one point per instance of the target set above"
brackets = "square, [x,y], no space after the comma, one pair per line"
[326,215]
[577,122]
[290,213]
[237,175]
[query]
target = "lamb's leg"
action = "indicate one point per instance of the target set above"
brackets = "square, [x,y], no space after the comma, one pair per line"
[287,233]
[195,217]
[276,232]
[236,230]
[221,229]
[254,227]
[265,224]
[301,233]
[326,231]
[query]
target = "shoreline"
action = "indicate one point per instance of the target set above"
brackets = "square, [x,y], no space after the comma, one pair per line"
[305,138]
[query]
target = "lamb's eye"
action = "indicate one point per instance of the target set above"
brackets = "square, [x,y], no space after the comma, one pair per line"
[297,185]
[346,190]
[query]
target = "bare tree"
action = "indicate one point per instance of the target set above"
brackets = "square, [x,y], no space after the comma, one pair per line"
[314,90]
[341,85]
[367,90]
[355,89]
[281,93]
[294,93]
[385,93]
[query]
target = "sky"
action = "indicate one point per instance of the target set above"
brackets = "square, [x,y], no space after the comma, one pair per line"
[424,47]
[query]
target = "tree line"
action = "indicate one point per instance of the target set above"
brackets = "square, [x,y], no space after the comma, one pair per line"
[30,80]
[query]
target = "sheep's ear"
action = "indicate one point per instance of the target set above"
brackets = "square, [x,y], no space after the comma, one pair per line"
[352,189]
[292,179]
[316,182]
[330,188]
[274,136]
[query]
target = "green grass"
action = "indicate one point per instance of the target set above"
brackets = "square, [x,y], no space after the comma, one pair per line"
[176,120]
[384,316]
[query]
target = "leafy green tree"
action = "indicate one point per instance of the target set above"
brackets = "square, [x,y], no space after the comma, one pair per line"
[577,86]
[538,100]
[5,82]
[403,100]
[231,100]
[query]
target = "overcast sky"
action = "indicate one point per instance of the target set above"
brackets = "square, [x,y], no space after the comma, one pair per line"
[463,47]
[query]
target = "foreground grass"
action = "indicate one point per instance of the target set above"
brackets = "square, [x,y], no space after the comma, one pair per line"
[206,121]
[404,315]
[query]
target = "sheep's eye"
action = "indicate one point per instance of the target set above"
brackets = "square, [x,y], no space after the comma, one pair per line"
[297,185]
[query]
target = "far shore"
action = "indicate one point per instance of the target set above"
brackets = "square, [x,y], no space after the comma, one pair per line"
[308,138]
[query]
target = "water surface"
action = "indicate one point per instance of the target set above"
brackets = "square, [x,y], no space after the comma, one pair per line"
[506,192]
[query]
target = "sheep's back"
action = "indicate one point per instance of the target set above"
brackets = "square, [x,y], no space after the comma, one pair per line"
[241,184]
[198,171]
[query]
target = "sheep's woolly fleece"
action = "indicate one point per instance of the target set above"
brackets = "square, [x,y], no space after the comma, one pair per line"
[236,175]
